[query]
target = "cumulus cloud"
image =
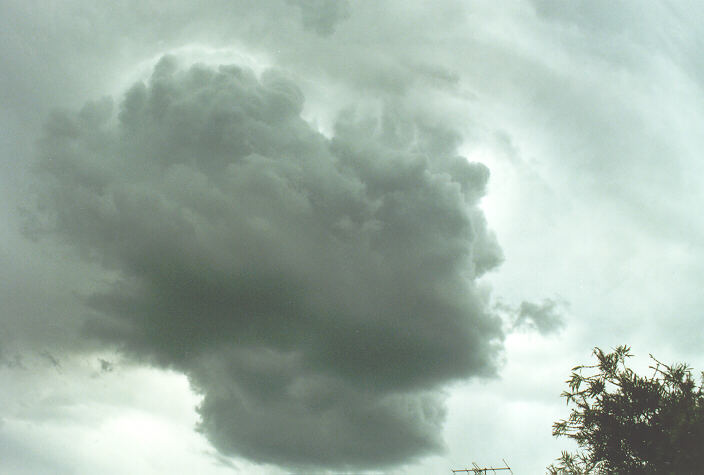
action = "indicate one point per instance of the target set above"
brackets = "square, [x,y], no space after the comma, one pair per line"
[317,291]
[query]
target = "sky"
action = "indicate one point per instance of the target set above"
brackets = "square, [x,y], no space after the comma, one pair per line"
[318,236]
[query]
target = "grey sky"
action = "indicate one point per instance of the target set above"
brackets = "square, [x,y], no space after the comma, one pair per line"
[354,234]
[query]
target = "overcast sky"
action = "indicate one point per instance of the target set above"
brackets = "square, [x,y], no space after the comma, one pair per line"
[315,235]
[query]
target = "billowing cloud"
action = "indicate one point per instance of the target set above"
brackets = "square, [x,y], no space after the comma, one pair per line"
[317,291]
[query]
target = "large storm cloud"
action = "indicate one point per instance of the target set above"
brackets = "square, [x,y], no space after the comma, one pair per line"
[318,291]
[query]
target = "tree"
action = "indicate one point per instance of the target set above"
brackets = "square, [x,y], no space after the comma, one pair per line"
[626,423]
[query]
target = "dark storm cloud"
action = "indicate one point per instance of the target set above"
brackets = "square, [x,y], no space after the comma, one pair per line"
[317,291]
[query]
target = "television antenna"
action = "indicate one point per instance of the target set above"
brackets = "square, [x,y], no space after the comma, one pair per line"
[477,470]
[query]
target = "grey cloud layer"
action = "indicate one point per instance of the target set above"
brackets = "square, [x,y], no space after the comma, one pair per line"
[321,16]
[317,291]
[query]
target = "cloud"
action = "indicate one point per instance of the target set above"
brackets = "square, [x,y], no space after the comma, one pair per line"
[121,422]
[53,360]
[106,366]
[317,291]
[321,16]
[545,317]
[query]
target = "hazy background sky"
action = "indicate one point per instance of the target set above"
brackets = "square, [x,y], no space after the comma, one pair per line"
[296,235]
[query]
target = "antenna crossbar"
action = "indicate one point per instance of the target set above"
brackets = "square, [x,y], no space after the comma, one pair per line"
[477,470]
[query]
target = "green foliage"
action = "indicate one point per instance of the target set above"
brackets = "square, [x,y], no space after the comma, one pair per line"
[626,423]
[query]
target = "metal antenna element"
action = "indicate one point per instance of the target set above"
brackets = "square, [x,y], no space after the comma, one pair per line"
[477,470]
